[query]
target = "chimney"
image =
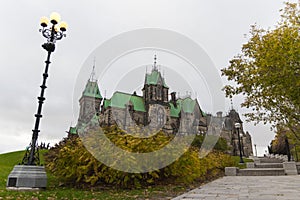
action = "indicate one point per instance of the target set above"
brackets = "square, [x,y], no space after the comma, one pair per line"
[173,99]
[219,114]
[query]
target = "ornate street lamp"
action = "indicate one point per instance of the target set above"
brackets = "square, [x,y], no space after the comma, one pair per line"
[238,126]
[29,174]
[53,33]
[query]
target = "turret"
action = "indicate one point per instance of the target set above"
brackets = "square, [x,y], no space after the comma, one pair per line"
[90,100]
[155,88]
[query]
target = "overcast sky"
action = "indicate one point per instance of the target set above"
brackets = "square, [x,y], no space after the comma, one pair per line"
[218,26]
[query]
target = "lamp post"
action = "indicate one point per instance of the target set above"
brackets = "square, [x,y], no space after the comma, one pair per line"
[242,144]
[296,153]
[53,33]
[287,148]
[30,174]
[238,126]
[255,150]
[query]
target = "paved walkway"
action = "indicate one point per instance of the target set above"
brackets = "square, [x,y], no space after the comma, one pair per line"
[248,187]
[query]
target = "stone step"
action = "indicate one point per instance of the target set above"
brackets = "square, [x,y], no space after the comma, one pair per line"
[270,160]
[268,165]
[261,172]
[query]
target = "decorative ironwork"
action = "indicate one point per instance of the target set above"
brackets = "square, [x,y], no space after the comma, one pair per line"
[52,34]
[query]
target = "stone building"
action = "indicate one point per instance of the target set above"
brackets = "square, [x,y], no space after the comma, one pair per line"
[153,109]
[158,109]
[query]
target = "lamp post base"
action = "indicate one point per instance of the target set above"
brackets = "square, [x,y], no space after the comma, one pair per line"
[27,176]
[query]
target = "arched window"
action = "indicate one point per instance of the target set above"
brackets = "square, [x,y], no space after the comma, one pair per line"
[160,117]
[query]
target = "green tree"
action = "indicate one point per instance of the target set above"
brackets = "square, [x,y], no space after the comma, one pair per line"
[267,72]
[278,144]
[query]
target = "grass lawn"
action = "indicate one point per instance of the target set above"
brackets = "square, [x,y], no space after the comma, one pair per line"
[237,162]
[53,191]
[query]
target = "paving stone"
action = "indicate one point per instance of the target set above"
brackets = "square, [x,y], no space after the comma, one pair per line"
[248,188]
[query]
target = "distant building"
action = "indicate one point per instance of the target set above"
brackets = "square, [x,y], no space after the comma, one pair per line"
[228,131]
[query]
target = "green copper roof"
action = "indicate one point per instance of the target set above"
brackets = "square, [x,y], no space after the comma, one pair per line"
[92,90]
[119,100]
[187,105]
[174,112]
[154,78]
[106,103]
[73,130]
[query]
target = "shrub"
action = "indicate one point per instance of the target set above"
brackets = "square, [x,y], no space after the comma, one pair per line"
[75,166]
[221,144]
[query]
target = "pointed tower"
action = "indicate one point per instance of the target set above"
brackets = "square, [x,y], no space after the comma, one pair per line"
[155,89]
[155,95]
[90,100]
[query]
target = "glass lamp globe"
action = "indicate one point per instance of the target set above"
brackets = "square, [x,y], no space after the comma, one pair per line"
[54,18]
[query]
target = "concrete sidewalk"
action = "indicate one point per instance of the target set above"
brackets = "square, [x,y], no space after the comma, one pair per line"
[248,187]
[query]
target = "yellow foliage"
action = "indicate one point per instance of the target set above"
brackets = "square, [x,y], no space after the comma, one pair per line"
[74,165]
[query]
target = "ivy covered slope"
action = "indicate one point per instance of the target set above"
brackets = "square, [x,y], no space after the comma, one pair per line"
[72,164]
